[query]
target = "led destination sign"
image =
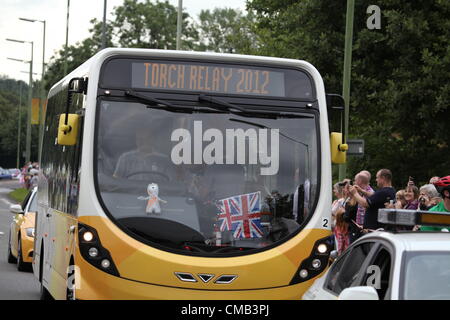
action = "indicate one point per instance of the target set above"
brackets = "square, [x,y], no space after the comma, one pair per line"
[211,78]
[206,77]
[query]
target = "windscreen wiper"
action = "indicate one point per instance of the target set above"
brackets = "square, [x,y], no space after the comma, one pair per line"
[219,104]
[222,105]
[262,126]
[161,104]
[150,100]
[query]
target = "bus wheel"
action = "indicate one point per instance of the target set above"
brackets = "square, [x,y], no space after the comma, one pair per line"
[11,258]
[70,292]
[21,266]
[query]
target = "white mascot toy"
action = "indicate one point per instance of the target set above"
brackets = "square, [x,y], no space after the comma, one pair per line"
[153,199]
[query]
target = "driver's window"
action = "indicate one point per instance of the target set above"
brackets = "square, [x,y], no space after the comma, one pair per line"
[26,201]
[32,207]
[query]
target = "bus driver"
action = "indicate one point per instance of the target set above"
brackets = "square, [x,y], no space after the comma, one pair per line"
[145,162]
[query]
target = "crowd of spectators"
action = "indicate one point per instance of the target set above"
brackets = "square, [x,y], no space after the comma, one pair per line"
[29,175]
[355,208]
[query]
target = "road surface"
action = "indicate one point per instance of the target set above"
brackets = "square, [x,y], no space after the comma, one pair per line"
[14,285]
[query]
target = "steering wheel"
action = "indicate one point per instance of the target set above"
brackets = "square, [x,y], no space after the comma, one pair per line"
[165,176]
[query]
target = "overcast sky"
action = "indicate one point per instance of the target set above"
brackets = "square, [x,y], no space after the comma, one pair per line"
[54,12]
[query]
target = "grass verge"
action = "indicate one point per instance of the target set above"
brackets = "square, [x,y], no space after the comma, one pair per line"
[19,194]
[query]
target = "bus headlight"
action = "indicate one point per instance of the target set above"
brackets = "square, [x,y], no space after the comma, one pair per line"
[106,264]
[322,248]
[315,264]
[88,236]
[92,251]
[30,232]
[303,273]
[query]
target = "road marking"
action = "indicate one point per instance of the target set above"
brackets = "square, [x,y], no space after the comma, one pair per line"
[7,202]
[1,234]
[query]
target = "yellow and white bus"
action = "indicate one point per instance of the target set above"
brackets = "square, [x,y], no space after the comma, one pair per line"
[184,175]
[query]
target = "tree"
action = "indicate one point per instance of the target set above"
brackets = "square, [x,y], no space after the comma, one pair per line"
[134,25]
[10,91]
[399,86]
[227,30]
[151,25]
[77,54]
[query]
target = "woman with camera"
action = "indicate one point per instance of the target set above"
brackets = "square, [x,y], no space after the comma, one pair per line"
[428,197]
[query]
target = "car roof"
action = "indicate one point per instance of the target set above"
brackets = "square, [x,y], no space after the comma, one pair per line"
[414,241]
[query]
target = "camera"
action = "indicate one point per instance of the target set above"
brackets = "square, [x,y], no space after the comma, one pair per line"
[343,184]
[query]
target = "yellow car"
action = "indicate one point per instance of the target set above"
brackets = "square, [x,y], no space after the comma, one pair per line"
[21,232]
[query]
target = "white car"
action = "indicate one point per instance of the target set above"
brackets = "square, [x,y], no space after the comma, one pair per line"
[391,265]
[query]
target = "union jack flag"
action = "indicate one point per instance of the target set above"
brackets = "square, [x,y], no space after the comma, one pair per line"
[241,214]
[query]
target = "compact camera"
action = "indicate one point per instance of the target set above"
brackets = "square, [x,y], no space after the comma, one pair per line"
[343,184]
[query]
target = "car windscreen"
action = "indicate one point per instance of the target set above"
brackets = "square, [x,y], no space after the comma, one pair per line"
[426,276]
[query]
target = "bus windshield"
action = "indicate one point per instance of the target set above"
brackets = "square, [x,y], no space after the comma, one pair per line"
[205,181]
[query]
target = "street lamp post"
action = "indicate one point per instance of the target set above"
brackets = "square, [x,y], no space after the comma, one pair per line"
[18,126]
[41,106]
[67,39]
[104,26]
[30,94]
[19,120]
[346,75]
[179,22]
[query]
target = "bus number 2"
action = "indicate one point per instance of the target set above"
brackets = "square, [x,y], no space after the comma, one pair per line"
[325,223]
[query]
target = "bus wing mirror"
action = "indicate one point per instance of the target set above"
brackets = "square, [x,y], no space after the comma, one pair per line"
[68,123]
[338,149]
[16,209]
[68,130]
[336,109]
[338,144]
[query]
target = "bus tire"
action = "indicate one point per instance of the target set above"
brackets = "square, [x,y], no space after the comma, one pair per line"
[21,265]
[11,258]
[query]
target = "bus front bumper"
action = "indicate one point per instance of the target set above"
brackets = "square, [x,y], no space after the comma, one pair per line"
[93,284]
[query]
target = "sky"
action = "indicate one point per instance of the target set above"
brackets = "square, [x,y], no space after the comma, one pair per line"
[54,13]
